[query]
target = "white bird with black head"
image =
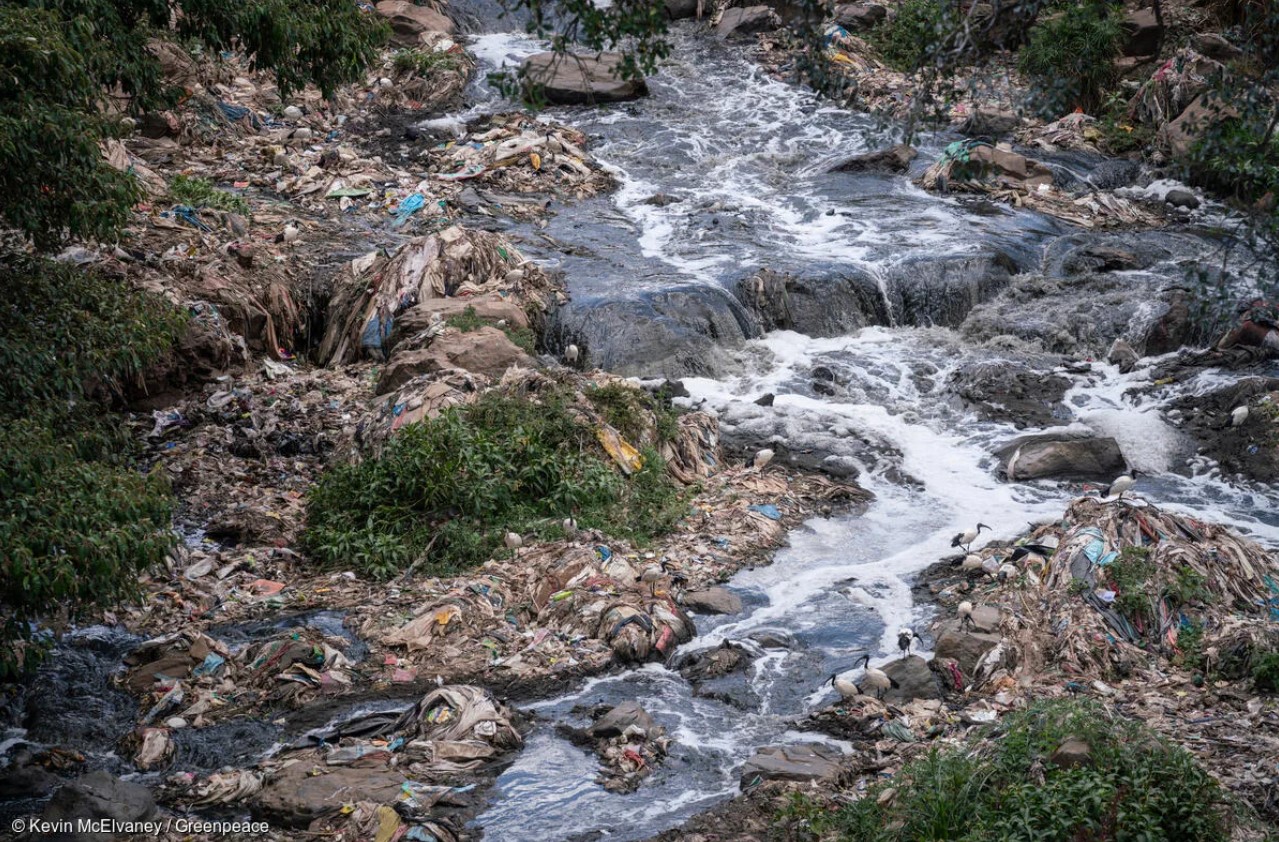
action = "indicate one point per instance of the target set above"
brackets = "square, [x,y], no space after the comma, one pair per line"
[965,539]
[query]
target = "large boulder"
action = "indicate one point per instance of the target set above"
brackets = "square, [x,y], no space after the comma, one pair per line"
[486,351]
[964,647]
[893,159]
[832,304]
[411,23]
[1142,33]
[989,121]
[714,600]
[98,795]
[680,9]
[790,763]
[1181,134]
[1008,168]
[1022,394]
[1060,455]
[295,798]
[747,20]
[859,17]
[581,79]
[676,332]
[914,679]
[941,290]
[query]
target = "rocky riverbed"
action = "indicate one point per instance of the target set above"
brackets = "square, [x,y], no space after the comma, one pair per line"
[859,364]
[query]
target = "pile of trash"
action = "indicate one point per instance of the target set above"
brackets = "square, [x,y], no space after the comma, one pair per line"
[516,153]
[1077,131]
[386,303]
[406,770]
[629,743]
[976,166]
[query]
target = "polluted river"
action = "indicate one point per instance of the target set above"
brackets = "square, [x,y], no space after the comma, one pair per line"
[723,171]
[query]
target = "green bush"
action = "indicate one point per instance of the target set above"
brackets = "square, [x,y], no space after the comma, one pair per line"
[1134,786]
[424,63]
[1237,159]
[1070,57]
[77,524]
[56,59]
[627,409]
[906,40]
[201,193]
[443,493]
[1265,671]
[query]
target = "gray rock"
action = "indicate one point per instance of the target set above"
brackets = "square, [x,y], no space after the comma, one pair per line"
[1072,754]
[773,639]
[1013,391]
[622,717]
[830,305]
[859,17]
[581,79]
[914,678]
[964,647]
[943,290]
[99,795]
[677,332]
[1180,198]
[1215,46]
[1121,354]
[1114,172]
[714,663]
[790,763]
[985,618]
[680,9]
[1060,455]
[1142,33]
[713,600]
[747,21]
[893,159]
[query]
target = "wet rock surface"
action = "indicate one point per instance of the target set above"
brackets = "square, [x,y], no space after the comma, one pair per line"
[1025,394]
[1075,457]
[790,763]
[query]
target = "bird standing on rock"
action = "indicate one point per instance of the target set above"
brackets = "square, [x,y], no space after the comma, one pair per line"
[876,678]
[571,354]
[762,458]
[971,563]
[965,539]
[1121,484]
[1239,415]
[905,637]
[965,611]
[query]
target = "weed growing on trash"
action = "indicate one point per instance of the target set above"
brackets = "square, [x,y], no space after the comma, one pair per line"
[424,62]
[443,493]
[201,193]
[1130,576]
[1265,671]
[468,320]
[905,39]
[76,523]
[626,409]
[1130,784]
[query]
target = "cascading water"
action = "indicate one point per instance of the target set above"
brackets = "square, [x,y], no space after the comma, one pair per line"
[744,160]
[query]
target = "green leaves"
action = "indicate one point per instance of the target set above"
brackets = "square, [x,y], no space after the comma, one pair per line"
[443,493]
[61,61]
[1070,57]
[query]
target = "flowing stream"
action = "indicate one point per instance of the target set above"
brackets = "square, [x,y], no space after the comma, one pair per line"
[745,158]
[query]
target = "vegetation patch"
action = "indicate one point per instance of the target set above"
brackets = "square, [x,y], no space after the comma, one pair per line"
[468,320]
[1070,57]
[1060,771]
[201,193]
[628,410]
[904,42]
[77,521]
[443,493]
[425,63]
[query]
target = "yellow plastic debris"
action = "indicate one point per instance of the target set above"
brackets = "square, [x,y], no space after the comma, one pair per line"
[623,454]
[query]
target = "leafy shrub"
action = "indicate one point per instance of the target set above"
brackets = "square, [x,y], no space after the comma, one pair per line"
[1265,671]
[56,59]
[1239,160]
[1133,786]
[1130,576]
[627,409]
[76,523]
[465,321]
[443,493]
[906,40]
[1070,57]
[424,63]
[201,193]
